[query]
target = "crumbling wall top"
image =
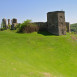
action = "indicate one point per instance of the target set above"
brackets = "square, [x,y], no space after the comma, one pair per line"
[57,12]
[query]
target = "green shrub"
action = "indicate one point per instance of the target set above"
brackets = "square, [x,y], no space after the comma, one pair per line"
[30,28]
[25,23]
[2,29]
[20,27]
[9,26]
[17,26]
[27,27]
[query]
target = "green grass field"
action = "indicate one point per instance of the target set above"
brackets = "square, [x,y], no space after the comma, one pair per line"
[37,55]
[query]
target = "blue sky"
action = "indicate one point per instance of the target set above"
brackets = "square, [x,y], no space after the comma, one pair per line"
[36,10]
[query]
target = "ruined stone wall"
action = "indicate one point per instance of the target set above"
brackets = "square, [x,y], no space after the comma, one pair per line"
[14,20]
[61,23]
[56,22]
[41,25]
[4,22]
[52,21]
[68,27]
[14,23]
[8,21]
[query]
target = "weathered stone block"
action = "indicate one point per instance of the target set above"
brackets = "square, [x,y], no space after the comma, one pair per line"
[68,27]
[42,26]
[8,21]
[14,23]
[56,22]
[4,23]
[14,20]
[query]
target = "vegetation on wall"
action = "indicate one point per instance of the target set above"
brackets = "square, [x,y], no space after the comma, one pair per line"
[74,27]
[2,26]
[27,27]
[9,26]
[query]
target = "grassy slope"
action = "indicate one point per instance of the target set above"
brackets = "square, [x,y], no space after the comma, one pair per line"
[36,55]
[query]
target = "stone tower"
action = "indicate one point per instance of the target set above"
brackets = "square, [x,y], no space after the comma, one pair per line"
[68,29]
[56,22]
[4,22]
[14,23]
[8,21]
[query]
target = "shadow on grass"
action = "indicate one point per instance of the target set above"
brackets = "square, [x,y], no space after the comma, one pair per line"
[45,33]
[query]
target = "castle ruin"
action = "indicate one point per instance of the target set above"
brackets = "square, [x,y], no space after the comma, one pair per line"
[55,23]
[9,22]
[14,23]
[68,27]
[4,23]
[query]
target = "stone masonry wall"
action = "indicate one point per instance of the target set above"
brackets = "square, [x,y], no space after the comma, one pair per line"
[8,21]
[52,21]
[68,27]
[4,23]
[14,23]
[61,23]
[56,22]
[41,25]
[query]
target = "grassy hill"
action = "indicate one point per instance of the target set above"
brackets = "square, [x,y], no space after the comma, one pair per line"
[37,55]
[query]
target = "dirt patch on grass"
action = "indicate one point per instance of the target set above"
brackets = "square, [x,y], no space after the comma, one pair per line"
[74,37]
[23,75]
[14,69]
[45,74]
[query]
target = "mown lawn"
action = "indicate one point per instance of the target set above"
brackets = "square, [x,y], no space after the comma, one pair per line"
[37,55]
